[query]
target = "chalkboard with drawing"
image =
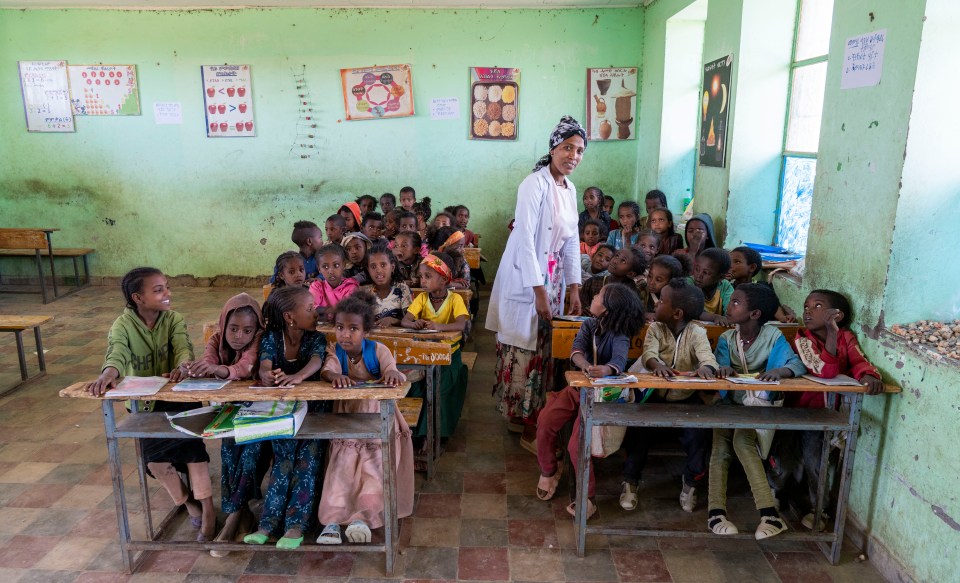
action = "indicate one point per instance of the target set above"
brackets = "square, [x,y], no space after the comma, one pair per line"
[46,96]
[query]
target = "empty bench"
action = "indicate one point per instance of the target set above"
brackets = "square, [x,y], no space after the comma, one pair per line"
[37,244]
[17,324]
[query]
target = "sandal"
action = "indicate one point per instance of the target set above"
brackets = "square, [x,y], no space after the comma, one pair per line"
[769,526]
[547,486]
[358,532]
[330,535]
[591,509]
[256,538]
[719,524]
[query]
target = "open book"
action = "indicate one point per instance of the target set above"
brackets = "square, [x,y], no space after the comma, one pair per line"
[137,387]
[841,380]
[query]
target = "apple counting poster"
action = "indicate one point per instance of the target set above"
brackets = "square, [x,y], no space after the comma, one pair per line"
[377,92]
[228,101]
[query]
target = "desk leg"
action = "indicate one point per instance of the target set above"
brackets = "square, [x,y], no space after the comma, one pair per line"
[822,481]
[438,409]
[53,270]
[43,284]
[856,405]
[431,417]
[391,530]
[583,476]
[116,476]
[21,356]
[40,358]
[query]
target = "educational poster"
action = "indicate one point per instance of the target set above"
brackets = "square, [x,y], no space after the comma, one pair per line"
[46,96]
[863,60]
[228,101]
[377,92]
[714,111]
[104,89]
[494,101]
[611,99]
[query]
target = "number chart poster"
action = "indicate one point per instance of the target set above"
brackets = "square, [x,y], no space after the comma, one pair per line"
[228,101]
[377,92]
[714,110]
[46,96]
[495,96]
[104,89]
[611,102]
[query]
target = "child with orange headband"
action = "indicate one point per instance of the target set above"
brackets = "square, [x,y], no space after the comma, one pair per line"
[438,308]
[451,241]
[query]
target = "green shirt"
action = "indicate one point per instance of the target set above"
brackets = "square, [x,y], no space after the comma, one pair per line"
[135,350]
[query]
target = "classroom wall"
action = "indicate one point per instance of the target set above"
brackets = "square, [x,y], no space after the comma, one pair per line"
[170,196]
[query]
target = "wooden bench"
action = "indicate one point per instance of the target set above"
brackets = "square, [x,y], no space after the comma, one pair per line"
[17,324]
[36,243]
[720,416]
[327,426]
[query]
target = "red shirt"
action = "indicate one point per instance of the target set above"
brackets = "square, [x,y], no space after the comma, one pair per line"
[849,360]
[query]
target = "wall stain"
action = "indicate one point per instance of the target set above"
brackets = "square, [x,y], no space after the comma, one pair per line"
[263,241]
[873,124]
[942,515]
[109,222]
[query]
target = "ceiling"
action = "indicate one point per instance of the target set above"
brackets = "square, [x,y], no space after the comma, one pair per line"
[229,4]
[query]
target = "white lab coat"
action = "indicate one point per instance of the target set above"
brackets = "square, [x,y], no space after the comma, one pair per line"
[512,311]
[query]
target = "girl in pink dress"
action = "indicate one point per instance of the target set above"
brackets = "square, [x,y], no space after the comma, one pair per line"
[327,292]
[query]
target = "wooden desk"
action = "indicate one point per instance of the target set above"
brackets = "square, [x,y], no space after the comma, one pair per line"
[723,417]
[37,243]
[140,425]
[565,331]
[472,255]
[17,324]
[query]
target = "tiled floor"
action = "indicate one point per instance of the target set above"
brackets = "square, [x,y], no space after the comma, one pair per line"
[476,520]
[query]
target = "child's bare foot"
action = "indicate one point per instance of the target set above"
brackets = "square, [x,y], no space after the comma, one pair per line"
[195,510]
[208,519]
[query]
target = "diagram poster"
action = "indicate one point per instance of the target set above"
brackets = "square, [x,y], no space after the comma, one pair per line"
[495,96]
[611,99]
[377,92]
[46,96]
[104,89]
[714,110]
[228,101]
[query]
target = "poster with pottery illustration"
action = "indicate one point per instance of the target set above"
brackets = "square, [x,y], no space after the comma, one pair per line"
[228,101]
[377,92]
[104,89]
[612,104]
[494,101]
[714,111]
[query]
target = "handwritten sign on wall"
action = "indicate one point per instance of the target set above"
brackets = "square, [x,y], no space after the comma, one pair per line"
[445,108]
[46,96]
[863,60]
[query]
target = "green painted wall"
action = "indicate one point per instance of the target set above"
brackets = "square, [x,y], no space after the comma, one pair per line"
[169,196]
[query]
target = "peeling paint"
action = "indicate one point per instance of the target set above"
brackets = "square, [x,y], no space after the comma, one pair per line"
[946,518]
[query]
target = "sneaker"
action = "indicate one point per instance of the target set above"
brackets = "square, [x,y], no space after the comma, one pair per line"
[688,497]
[769,526]
[628,496]
[720,525]
[807,521]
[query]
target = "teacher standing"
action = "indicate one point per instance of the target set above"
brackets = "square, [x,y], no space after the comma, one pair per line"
[541,259]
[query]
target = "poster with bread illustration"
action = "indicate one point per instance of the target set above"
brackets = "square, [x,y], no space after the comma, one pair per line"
[714,111]
[494,100]
[611,104]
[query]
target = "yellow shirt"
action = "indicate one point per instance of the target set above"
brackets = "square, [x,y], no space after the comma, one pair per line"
[451,308]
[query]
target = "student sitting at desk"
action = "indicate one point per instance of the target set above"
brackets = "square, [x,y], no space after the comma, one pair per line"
[605,339]
[752,347]
[391,292]
[308,238]
[828,348]
[627,264]
[334,286]
[673,344]
[291,351]
[710,269]
[231,354]
[353,483]
[441,309]
[149,339]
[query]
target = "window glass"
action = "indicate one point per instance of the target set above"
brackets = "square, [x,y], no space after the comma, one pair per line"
[795,202]
[806,107]
[813,34]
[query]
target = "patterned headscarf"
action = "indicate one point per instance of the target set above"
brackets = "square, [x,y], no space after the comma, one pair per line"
[452,240]
[437,264]
[566,128]
[356,235]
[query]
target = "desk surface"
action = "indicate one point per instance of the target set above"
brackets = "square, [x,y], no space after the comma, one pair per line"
[28,229]
[241,391]
[11,323]
[648,381]
[393,332]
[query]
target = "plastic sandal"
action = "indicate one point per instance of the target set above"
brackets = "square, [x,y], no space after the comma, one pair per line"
[547,486]
[358,532]
[256,538]
[769,526]
[330,535]
[628,496]
[196,521]
[720,525]
[289,544]
[591,509]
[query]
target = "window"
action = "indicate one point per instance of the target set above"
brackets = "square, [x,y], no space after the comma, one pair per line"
[808,77]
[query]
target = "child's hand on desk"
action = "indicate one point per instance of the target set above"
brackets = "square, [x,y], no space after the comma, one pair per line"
[427,325]
[725,371]
[599,371]
[873,384]
[341,382]
[107,380]
[203,369]
[773,375]
[706,372]
[178,374]
[663,371]
[394,378]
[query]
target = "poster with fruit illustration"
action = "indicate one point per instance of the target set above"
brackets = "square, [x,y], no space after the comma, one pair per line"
[495,103]
[104,89]
[377,92]
[714,111]
[228,101]
[611,103]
